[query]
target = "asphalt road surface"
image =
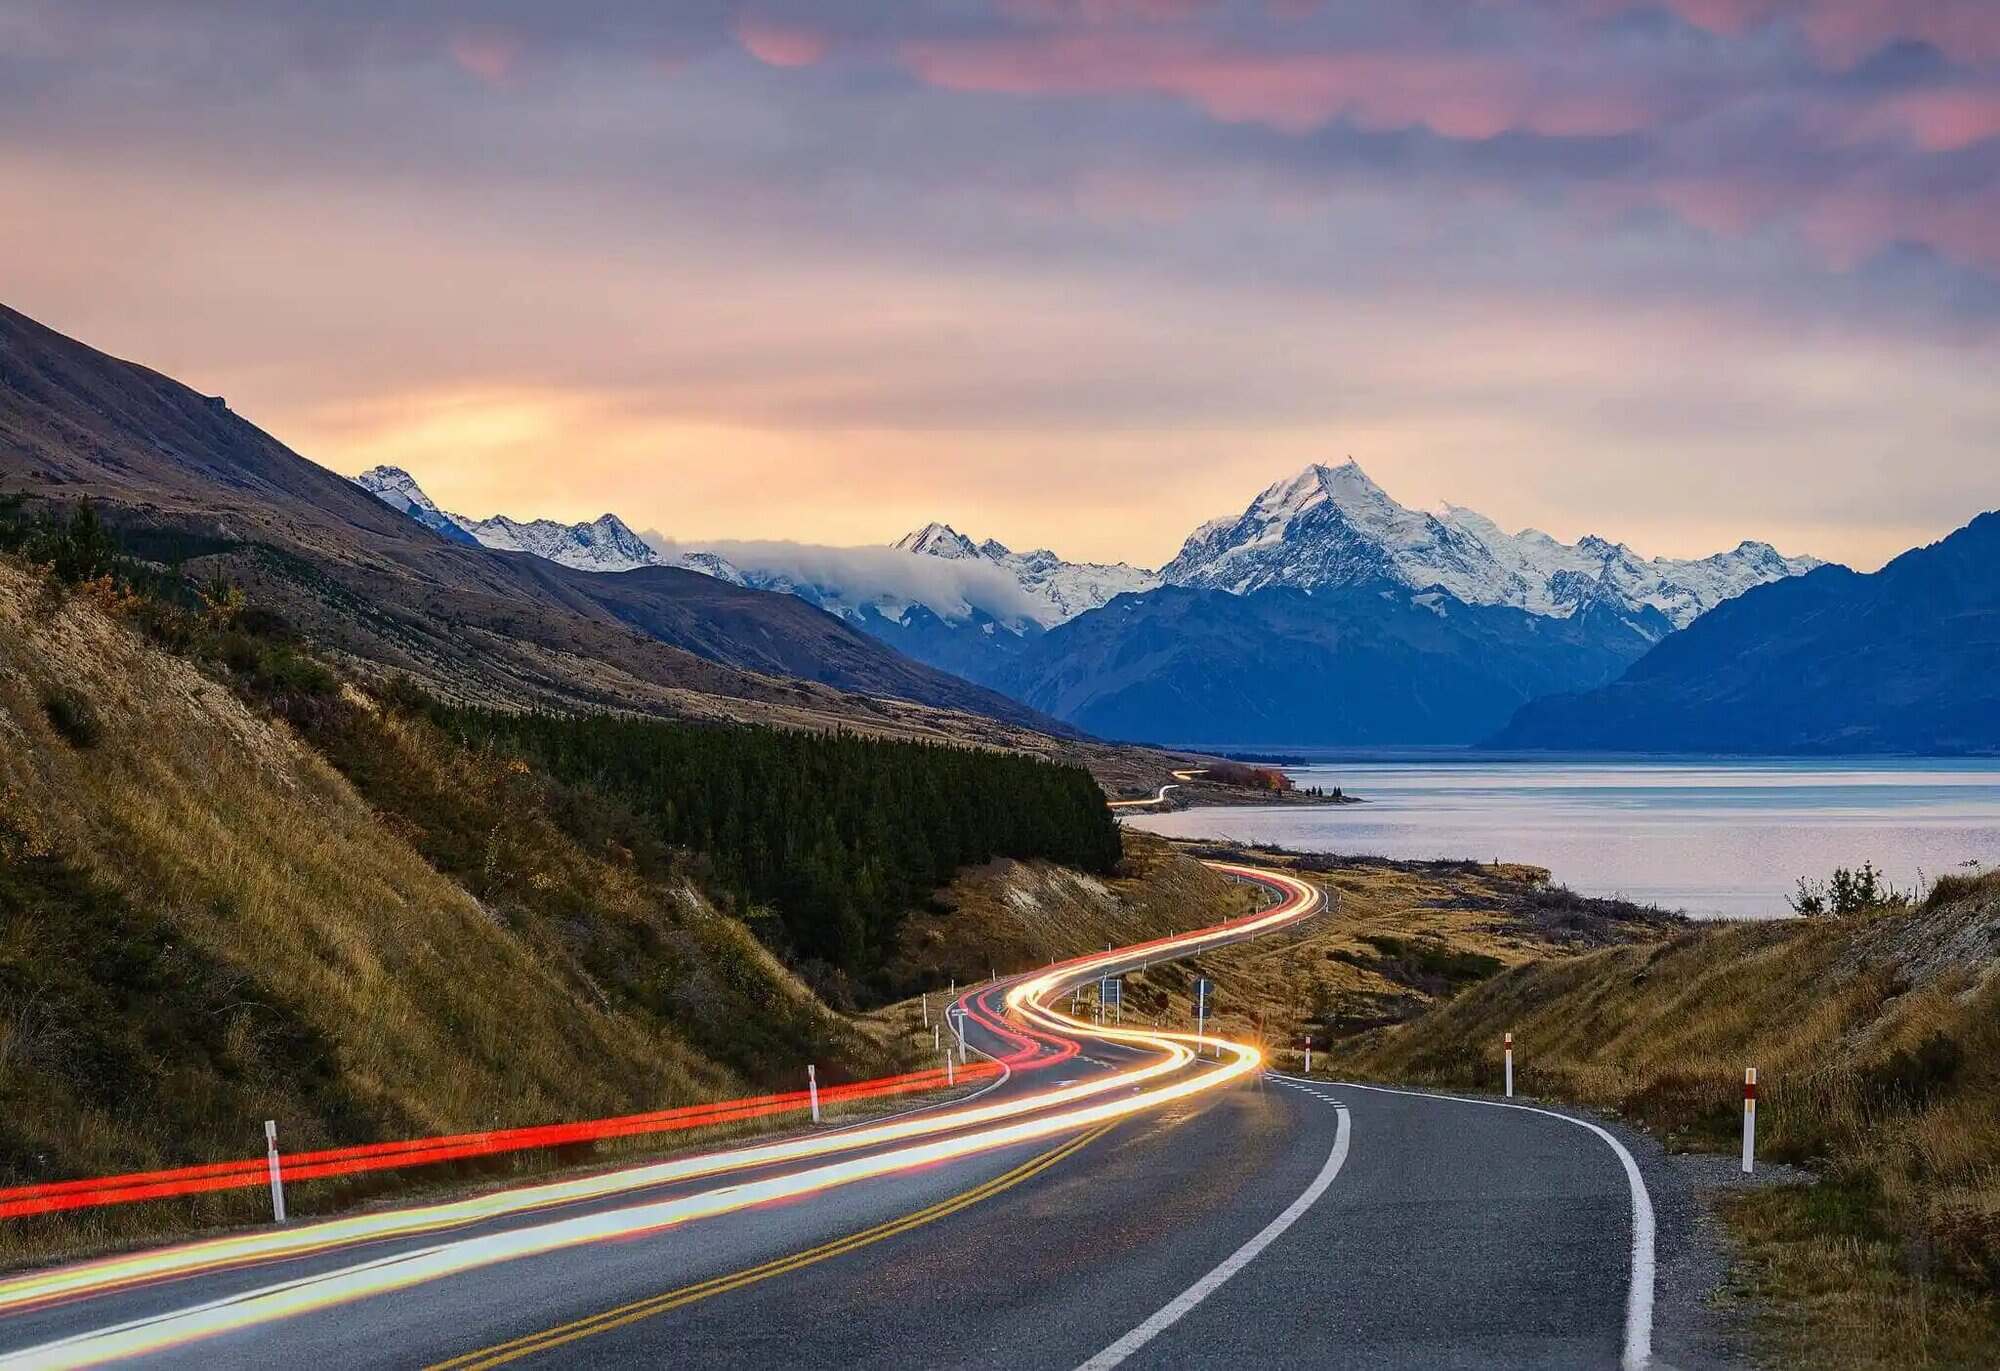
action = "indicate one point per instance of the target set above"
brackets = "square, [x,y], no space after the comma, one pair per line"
[1248,1220]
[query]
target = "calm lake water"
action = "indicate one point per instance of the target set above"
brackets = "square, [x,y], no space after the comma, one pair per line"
[1711,837]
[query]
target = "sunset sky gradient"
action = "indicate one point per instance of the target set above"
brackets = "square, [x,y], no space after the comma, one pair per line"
[1073,273]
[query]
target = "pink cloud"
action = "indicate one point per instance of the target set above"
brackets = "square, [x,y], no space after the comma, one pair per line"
[1842,31]
[781,44]
[1105,11]
[1848,30]
[1458,95]
[488,54]
[1842,224]
[1945,120]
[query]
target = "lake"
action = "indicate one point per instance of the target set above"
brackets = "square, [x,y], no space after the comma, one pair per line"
[1713,837]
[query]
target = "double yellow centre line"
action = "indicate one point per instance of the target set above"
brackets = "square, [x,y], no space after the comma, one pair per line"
[499,1354]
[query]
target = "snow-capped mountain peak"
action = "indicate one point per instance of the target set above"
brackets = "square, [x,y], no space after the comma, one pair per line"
[399,490]
[606,543]
[1335,526]
[1059,589]
[937,540]
[396,488]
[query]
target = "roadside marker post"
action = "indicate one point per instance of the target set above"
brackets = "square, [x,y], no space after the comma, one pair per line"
[936,1029]
[1309,1054]
[927,1010]
[1510,1064]
[277,1178]
[1201,1017]
[950,1076]
[958,1027]
[812,1089]
[1749,1118]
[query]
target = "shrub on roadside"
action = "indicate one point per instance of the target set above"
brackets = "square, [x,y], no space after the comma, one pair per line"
[1845,893]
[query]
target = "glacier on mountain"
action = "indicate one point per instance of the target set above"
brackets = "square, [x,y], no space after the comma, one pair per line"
[1326,526]
[603,544]
[1060,589]
[1333,526]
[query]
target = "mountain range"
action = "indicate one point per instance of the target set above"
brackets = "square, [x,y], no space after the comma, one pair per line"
[1906,659]
[1361,665]
[186,480]
[1326,612]
[1333,526]
[604,544]
[1396,625]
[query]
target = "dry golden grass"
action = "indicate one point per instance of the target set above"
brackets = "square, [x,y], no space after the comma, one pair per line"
[1470,920]
[1012,915]
[422,1009]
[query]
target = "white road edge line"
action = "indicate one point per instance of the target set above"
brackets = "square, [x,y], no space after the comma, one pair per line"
[1639,1295]
[1178,1308]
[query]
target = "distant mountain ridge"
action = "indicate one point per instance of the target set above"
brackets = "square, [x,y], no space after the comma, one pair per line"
[1348,665]
[186,480]
[1327,526]
[1333,526]
[965,634]
[1906,659]
[1063,589]
[606,543]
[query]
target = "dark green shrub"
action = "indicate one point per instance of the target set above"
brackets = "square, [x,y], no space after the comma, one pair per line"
[73,716]
[77,549]
[282,671]
[1912,1079]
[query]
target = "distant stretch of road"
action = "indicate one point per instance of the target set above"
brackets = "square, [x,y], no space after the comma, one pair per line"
[1161,797]
[1122,1195]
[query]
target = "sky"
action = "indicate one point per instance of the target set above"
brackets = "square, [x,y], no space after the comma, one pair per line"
[1069,273]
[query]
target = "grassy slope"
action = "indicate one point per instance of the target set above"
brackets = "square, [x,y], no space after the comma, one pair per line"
[1403,936]
[203,925]
[1011,915]
[1878,1046]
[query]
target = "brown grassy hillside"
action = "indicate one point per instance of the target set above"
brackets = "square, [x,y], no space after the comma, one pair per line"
[1400,938]
[1877,1040]
[203,925]
[1013,914]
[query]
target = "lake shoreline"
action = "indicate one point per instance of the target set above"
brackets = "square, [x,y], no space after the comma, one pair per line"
[1718,838]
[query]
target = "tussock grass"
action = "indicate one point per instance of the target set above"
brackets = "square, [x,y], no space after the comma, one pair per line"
[1402,937]
[1877,1041]
[204,925]
[1011,915]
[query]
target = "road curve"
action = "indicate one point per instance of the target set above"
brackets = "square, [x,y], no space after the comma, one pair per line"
[1113,1200]
[1161,797]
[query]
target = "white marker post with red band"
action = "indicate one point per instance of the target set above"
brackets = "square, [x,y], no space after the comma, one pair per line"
[1509,1047]
[1749,1118]
[1309,1054]
[271,1164]
[812,1089]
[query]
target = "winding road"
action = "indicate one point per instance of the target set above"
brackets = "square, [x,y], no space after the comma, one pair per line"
[1118,1196]
[1180,778]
